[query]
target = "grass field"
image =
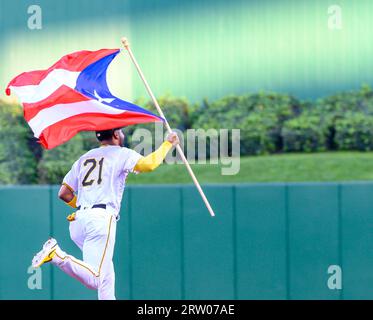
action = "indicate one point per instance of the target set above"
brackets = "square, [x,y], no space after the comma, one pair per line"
[329,166]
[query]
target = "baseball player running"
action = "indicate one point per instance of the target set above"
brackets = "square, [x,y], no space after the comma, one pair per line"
[94,186]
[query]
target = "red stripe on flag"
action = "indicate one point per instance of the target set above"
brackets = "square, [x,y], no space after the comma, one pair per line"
[66,129]
[76,61]
[61,96]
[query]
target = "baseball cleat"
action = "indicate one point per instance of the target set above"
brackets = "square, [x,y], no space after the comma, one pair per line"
[46,254]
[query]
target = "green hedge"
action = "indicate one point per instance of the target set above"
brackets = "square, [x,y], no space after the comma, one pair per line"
[269,123]
[304,133]
[17,162]
[176,110]
[259,116]
[340,106]
[354,132]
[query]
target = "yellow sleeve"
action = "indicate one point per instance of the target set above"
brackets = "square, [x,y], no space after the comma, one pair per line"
[153,160]
[72,203]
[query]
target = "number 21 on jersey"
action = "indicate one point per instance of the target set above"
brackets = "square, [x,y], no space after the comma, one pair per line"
[93,165]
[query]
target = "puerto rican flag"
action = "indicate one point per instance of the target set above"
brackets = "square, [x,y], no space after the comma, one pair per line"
[73,96]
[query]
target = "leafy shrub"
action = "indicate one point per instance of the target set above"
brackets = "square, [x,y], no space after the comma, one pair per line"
[259,117]
[354,132]
[338,106]
[176,110]
[304,133]
[349,101]
[259,135]
[268,123]
[17,162]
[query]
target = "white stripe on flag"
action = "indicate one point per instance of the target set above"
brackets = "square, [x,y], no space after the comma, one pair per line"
[59,112]
[53,81]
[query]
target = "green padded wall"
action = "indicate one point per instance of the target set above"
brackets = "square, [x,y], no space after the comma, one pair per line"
[313,212]
[25,224]
[156,239]
[261,241]
[357,244]
[208,244]
[267,241]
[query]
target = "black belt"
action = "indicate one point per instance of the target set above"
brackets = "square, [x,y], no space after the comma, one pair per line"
[100,205]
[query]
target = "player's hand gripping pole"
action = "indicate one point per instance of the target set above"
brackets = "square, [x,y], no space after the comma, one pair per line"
[178,148]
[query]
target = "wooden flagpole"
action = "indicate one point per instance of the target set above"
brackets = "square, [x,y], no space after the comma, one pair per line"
[178,148]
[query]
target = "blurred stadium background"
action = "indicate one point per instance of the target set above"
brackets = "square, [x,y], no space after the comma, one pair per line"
[299,91]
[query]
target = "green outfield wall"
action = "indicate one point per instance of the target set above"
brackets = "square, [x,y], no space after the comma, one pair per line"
[267,241]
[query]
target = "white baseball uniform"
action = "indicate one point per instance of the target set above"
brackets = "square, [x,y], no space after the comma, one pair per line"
[98,177]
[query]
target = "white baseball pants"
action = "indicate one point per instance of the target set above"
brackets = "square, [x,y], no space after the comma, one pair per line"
[93,231]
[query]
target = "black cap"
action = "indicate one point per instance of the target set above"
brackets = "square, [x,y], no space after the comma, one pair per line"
[105,134]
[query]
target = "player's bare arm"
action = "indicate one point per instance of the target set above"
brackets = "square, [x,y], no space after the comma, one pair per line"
[67,195]
[153,160]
